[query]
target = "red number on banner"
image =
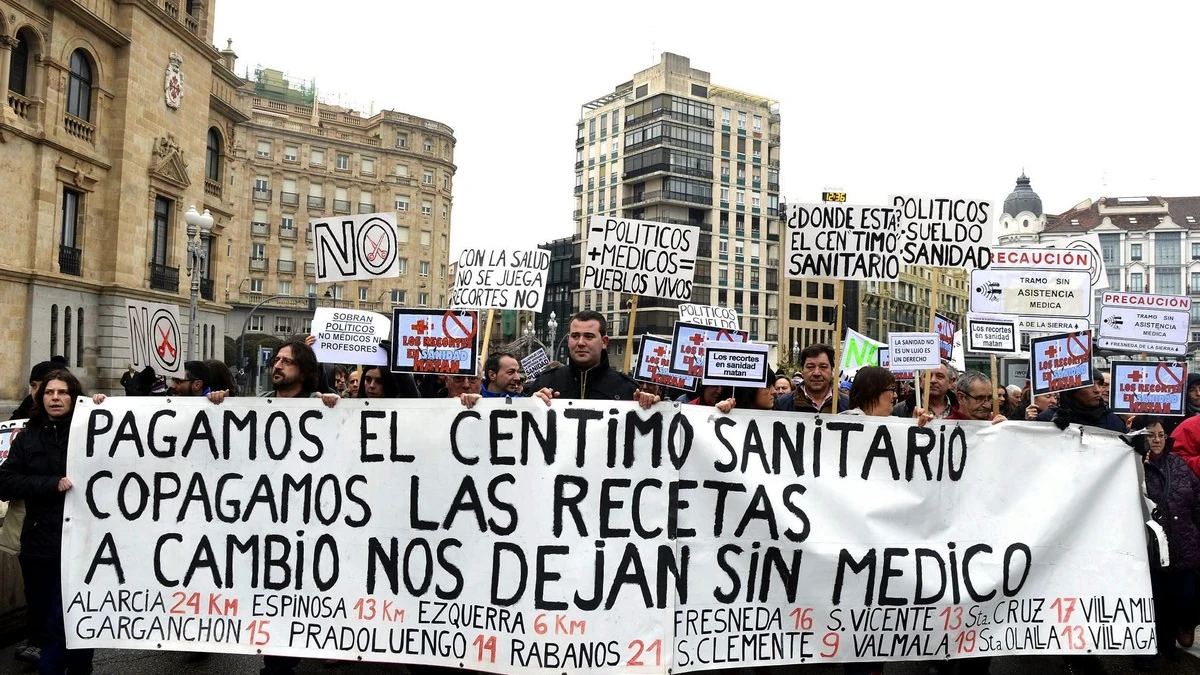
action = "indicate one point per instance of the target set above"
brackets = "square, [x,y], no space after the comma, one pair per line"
[1075,638]
[481,646]
[191,601]
[803,617]
[259,635]
[365,608]
[832,640]
[643,648]
[952,618]
[1064,607]
[966,642]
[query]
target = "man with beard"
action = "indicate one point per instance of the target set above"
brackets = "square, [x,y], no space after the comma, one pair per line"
[815,394]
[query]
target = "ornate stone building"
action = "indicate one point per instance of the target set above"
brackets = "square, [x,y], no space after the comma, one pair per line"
[118,117]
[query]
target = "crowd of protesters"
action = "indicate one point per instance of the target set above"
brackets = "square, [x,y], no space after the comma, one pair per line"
[34,477]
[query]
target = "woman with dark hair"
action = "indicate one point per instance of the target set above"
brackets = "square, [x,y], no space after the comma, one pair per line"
[222,377]
[749,398]
[36,472]
[1040,404]
[1083,406]
[873,392]
[1175,491]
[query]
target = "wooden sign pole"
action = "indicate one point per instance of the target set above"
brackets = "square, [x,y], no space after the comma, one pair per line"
[837,346]
[995,398]
[633,304]
[487,337]
[937,273]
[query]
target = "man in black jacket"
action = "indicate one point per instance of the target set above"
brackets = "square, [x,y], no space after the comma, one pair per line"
[587,375]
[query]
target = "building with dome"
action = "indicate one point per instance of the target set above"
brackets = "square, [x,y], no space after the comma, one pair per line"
[1149,244]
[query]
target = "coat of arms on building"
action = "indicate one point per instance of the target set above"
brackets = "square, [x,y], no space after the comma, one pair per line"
[173,87]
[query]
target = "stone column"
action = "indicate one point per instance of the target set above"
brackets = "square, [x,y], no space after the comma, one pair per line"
[6,46]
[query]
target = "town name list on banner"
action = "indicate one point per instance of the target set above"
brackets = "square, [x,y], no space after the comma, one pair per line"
[594,538]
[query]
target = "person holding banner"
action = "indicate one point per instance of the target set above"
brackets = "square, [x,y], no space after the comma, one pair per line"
[815,394]
[501,376]
[36,472]
[975,394]
[195,380]
[873,392]
[1175,490]
[1083,406]
[588,375]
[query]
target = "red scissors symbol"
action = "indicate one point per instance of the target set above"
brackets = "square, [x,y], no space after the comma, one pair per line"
[165,346]
[377,249]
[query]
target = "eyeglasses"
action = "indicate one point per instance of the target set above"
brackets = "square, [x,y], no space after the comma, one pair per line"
[891,389]
[183,380]
[982,398]
[284,360]
[1156,437]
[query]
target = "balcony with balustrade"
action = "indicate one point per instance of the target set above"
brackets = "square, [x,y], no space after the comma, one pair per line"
[164,278]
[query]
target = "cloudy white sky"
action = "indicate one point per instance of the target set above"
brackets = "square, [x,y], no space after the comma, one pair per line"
[1090,98]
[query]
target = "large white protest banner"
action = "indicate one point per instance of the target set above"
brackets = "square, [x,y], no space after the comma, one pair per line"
[1142,322]
[350,336]
[501,279]
[840,241]
[1060,362]
[1148,387]
[707,315]
[913,351]
[355,247]
[442,341]
[687,357]
[944,232]
[654,362]
[154,337]
[640,257]
[517,537]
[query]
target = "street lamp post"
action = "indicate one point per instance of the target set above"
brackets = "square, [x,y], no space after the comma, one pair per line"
[197,264]
[528,332]
[552,326]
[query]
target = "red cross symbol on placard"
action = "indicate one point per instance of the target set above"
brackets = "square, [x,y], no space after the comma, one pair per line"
[420,327]
[1051,351]
[1136,376]
[661,351]
[696,339]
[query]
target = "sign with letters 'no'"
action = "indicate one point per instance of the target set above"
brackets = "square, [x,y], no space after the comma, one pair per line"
[355,247]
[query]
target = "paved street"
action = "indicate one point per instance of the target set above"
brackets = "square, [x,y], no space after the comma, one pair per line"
[112,662]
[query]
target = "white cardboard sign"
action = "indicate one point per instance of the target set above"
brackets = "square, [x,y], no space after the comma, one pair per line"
[640,257]
[350,336]
[654,361]
[535,363]
[840,241]
[501,279]
[1148,387]
[1032,292]
[1089,258]
[155,338]
[688,342]
[1142,322]
[732,364]
[708,315]
[355,247]
[992,334]
[914,351]
[944,231]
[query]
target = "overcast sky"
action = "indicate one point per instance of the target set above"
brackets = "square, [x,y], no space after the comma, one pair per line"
[949,98]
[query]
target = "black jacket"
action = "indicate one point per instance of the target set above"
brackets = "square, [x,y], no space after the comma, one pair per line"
[36,461]
[597,383]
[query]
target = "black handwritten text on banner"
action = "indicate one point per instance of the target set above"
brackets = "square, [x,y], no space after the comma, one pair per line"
[500,279]
[355,247]
[640,257]
[592,539]
[839,241]
[945,232]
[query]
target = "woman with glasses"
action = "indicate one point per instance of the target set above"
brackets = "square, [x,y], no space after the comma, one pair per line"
[873,392]
[1175,491]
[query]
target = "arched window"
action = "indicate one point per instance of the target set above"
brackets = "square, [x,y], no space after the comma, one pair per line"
[18,76]
[212,157]
[79,337]
[53,329]
[67,334]
[79,86]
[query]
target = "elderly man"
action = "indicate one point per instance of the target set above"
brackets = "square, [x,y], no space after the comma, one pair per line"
[975,394]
